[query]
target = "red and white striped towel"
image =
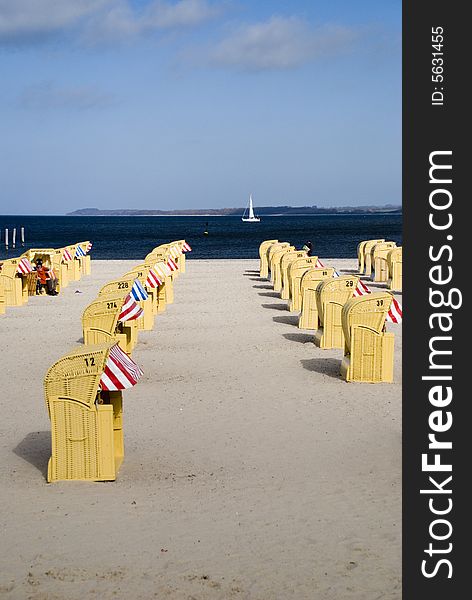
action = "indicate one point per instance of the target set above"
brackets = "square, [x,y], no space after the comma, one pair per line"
[153,280]
[120,371]
[162,270]
[186,247]
[395,313]
[130,310]
[172,265]
[66,255]
[175,251]
[24,267]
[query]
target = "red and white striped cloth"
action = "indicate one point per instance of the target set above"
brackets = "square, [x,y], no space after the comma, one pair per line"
[319,264]
[361,289]
[175,251]
[153,280]
[162,270]
[171,264]
[24,267]
[395,312]
[130,310]
[66,255]
[186,247]
[120,371]
[50,274]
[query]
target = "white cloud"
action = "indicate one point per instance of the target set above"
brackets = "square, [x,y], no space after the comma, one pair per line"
[279,43]
[33,18]
[47,95]
[23,21]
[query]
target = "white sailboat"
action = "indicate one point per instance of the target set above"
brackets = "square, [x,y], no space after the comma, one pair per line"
[251,217]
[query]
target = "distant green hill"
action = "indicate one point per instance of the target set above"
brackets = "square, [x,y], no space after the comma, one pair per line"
[261,211]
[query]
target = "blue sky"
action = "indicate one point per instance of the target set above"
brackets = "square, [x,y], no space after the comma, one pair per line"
[196,103]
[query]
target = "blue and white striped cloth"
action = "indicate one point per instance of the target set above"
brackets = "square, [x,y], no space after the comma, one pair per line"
[79,252]
[138,292]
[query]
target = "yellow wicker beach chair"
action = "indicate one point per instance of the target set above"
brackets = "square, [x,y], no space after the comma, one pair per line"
[181,259]
[52,259]
[2,293]
[74,266]
[15,286]
[142,271]
[308,318]
[331,296]
[361,253]
[60,268]
[86,421]
[394,262]
[122,286]
[275,268]
[166,291]
[167,251]
[287,259]
[85,261]
[379,255]
[368,245]
[263,258]
[369,349]
[295,272]
[100,323]
[271,252]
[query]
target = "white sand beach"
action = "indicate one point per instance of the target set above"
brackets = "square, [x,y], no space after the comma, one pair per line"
[252,471]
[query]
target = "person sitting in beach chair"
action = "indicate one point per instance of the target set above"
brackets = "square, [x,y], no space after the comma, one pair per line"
[46,279]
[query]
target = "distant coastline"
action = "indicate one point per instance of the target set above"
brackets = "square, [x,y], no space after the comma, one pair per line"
[267,211]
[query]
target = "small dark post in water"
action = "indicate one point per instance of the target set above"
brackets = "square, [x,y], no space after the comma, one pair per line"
[22,236]
[13,238]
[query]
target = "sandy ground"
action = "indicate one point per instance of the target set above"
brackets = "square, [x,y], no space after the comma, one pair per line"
[251,471]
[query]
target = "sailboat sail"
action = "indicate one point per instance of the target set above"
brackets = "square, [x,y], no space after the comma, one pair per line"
[251,217]
[251,210]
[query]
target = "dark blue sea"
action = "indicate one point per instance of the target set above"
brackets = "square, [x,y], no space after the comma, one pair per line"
[333,236]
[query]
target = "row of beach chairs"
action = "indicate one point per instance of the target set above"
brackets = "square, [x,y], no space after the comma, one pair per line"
[381,261]
[18,279]
[83,389]
[341,310]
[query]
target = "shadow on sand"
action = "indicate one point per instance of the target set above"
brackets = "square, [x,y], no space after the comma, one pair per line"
[325,366]
[275,306]
[287,320]
[301,338]
[35,448]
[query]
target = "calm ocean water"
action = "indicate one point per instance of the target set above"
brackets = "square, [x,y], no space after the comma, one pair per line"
[132,238]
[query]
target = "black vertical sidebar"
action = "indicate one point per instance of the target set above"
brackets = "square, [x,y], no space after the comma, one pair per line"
[436,125]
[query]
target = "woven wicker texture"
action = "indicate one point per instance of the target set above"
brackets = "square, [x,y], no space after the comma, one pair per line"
[368,352]
[86,425]
[271,253]
[14,285]
[275,270]
[331,295]
[309,308]
[361,253]
[100,323]
[394,263]
[369,244]
[263,262]
[379,255]
[295,272]
[287,259]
